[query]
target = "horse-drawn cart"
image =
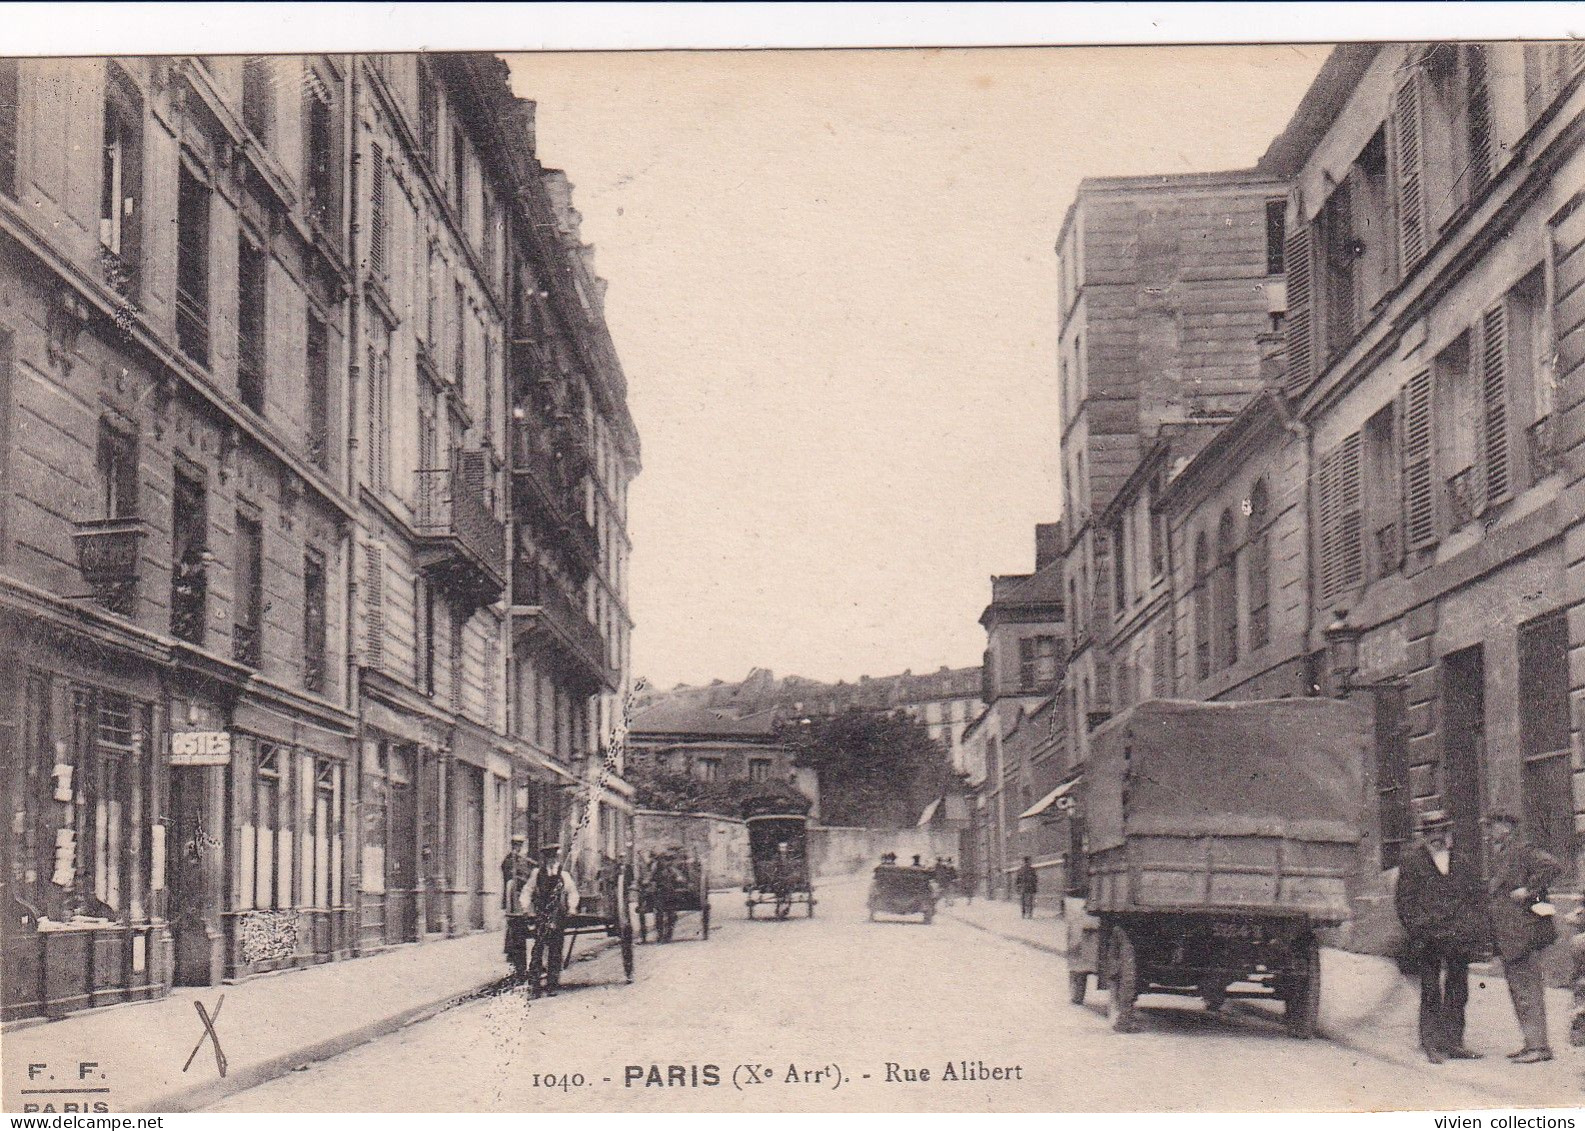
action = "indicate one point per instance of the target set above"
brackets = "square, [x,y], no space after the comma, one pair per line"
[606,912]
[673,883]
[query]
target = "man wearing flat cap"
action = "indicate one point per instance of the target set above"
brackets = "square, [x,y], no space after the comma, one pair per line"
[1523,927]
[1443,910]
[552,896]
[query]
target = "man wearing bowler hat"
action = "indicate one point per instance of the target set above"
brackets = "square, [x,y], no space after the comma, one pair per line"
[1523,927]
[552,896]
[1443,910]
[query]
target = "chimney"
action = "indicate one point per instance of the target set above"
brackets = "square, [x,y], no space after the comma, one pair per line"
[1048,544]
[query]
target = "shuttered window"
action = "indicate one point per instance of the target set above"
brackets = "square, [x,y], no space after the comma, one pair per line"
[1409,151]
[374,607]
[1496,449]
[1342,555]
[1419,487]
[379,409]
[1300,319]
[377,214]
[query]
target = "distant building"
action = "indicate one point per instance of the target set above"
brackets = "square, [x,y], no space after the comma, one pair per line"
[716,745]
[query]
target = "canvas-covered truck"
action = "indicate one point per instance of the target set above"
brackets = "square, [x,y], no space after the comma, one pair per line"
[1219,838]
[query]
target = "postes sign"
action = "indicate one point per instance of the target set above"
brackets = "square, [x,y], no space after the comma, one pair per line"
[200,748]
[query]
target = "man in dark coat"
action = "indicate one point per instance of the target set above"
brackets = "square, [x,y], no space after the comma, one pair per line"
[516,867]
[552,896]
[1520,879]
[1444,916]
[1027,884]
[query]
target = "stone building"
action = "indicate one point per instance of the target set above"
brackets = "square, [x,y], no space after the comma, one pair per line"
[1164,283]
[253,526]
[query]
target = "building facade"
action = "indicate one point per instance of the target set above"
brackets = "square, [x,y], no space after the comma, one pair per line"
[254,330]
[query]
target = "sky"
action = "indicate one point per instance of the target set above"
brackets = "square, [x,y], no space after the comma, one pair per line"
[833,291]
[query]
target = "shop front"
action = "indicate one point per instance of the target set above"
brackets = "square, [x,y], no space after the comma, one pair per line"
[400,894]
[81,729]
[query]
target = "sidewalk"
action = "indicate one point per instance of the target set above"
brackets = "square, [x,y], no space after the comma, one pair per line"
[267,1027]
[1368,1006]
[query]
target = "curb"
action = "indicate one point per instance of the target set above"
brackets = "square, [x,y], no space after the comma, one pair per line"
[250,1076]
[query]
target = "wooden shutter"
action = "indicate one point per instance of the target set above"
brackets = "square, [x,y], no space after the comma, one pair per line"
[1338,505]
[1480,118]
[1300,320]
[374,607]
[1497,450]
[1411,171]
[1419,490]
[377,209]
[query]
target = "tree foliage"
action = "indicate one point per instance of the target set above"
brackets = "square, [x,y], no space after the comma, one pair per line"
[683,793]
[876,770]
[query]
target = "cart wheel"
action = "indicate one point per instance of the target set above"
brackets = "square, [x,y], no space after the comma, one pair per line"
[1125,984]
[704,920]
[1078,986]
[1302,1010]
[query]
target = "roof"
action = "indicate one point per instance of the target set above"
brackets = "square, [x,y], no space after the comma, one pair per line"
[1043,587]
[1318,109]
[671,717]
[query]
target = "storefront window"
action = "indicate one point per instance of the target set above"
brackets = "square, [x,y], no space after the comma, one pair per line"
[319,858]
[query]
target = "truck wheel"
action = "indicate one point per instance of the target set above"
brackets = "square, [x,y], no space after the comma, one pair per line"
[1302,1010]
[1078,986]
[1125,984]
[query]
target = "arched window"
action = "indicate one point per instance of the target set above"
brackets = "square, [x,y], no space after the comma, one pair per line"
[1258,567]
[1202,607]
[1224,592]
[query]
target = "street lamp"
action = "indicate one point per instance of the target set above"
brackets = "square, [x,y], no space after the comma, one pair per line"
[1342,647]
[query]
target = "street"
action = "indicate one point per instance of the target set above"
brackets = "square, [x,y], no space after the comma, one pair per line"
[873,1000]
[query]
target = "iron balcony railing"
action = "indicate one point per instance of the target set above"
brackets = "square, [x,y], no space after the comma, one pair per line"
[1463,503]
[1541,439]
[538,595]
[1389,548]
[452,505]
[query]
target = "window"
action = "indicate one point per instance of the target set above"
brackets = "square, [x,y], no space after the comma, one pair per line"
[1457,403]
[455,661]
[1356,255]
[1544,735]
[459,323]
[192,267]
[1456,127]
[118,470]
[323,151]
[1496,443]
[1276,224]
[1338,506]
[1409,157]
[318,376]
[378,218]
[1383,504]
[1224,591]
[1119,570]
[459,176]
[379,406]
[107,756]
[189,558]
[10,91]
[759,769]
[314,608]
[248,598]
[258,97]
[1532,380]
[1547,69]
[1299,321]
[121,180]
[253,266]
[265,825]
[319,850]
[428,113]
[709,769]
[1202,607]
[1037,662]
[1258,567]
[1479,149]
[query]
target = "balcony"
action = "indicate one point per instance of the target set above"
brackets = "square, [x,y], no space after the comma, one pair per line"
[543,612]
[108,553]
[462,545]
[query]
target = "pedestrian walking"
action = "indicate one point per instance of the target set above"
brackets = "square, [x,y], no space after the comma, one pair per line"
[1444,916]
[516,867]
[1523,927]
[1027,884]
[553,895]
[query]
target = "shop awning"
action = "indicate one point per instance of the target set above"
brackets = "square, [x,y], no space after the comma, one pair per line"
[1049,800]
